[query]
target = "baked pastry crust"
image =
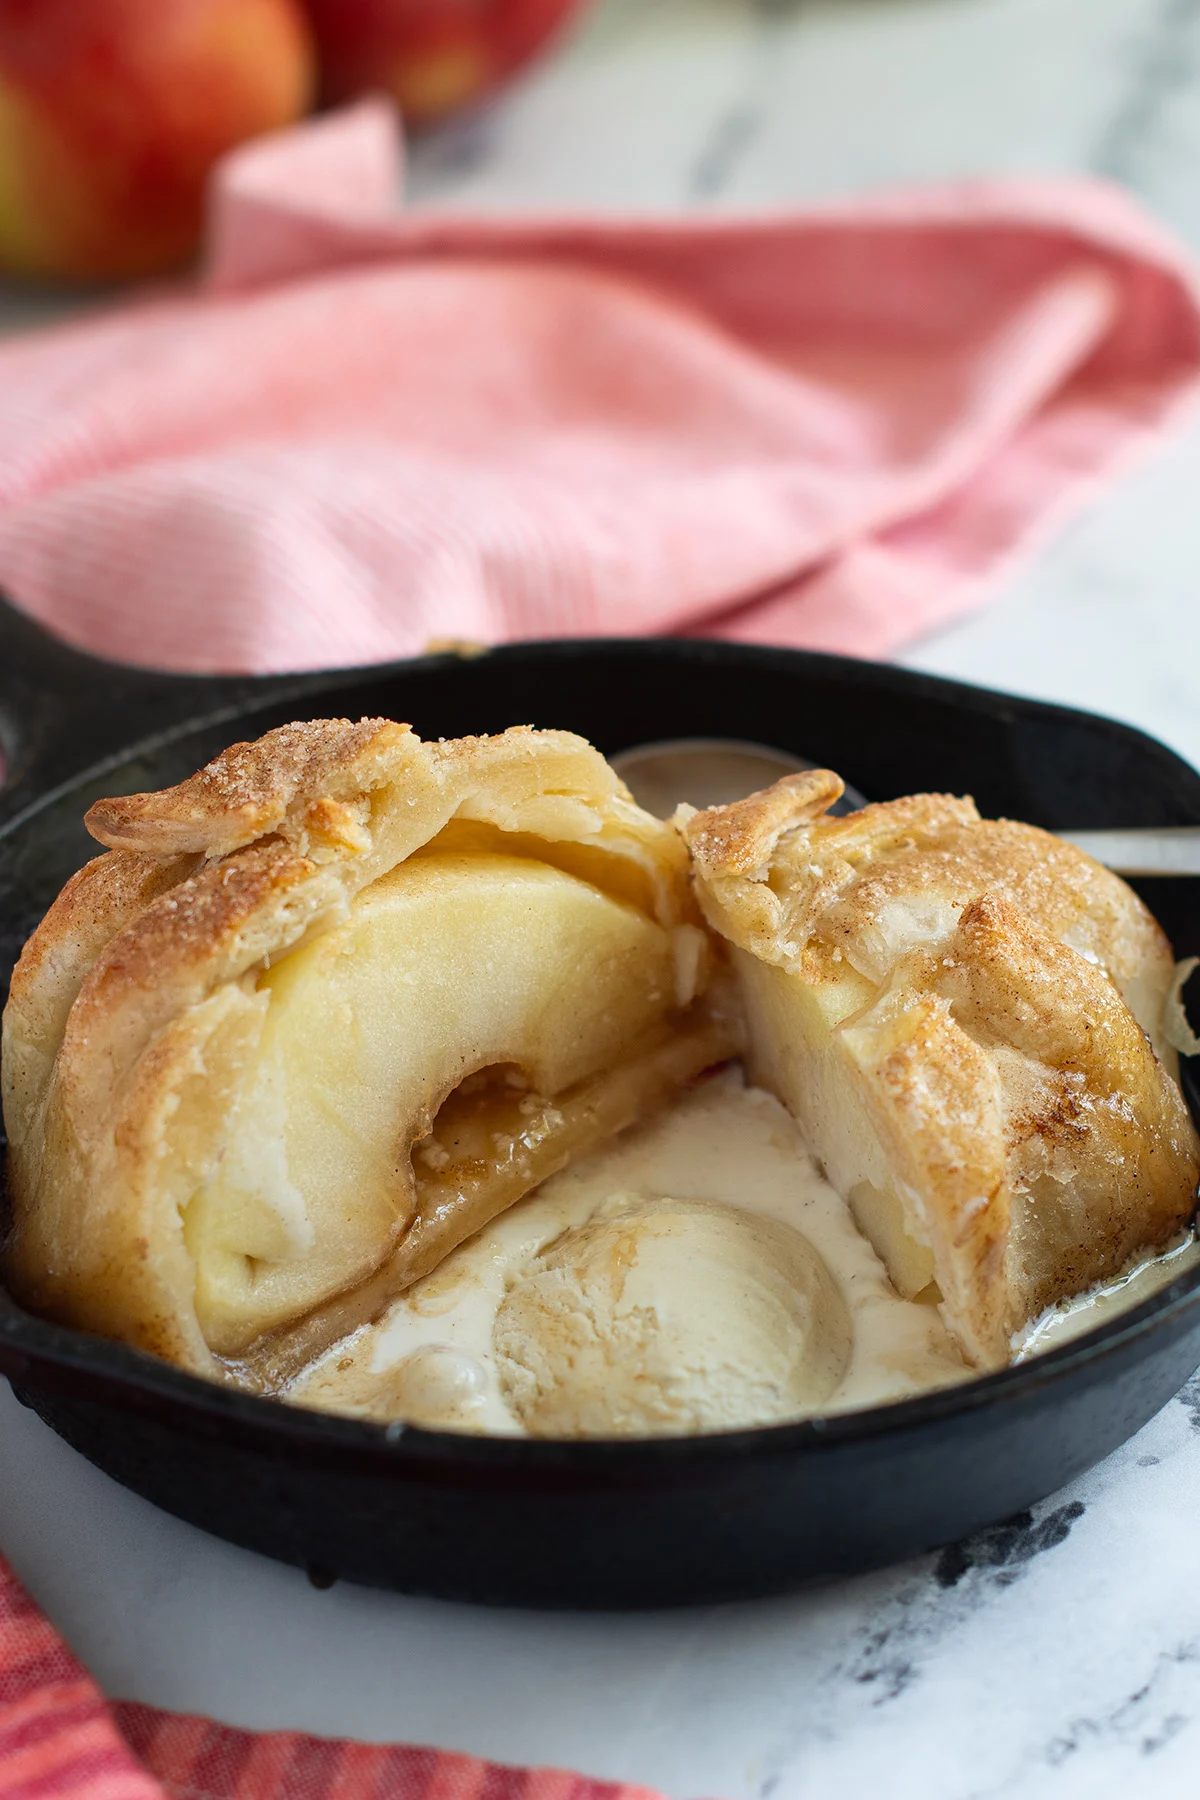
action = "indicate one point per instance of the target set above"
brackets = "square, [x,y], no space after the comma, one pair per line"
[966,1018]
[139,1010]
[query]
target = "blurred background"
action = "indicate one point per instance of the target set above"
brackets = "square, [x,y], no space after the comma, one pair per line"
[115,108]
[756,102]
[111,111]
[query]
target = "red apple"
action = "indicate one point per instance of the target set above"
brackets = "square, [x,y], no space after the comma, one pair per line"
[433,55]
[112,112]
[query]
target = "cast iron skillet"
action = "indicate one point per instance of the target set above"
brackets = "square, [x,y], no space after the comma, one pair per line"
[588,1524]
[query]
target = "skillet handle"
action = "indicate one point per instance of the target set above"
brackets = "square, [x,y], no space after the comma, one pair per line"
[63,711]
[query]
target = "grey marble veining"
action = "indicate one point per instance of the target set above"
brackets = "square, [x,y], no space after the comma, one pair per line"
[1153,134]
[655,102]
[1056,1657]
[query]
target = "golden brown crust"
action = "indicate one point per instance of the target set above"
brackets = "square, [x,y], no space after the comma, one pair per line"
[254,788]
[742,838]
[96,903]
[1087,1107]
[138,1005]
[935,1101]
[987,1000]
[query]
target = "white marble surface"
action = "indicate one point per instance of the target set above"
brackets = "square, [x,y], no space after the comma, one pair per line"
[1065,1661]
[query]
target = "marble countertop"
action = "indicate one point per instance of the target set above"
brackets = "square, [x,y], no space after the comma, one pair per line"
[1058,1655]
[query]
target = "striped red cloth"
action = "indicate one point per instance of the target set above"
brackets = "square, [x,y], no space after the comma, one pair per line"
[61,1740]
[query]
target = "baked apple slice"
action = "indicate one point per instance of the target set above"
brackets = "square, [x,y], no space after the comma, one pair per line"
[965,1017]
[320,1013]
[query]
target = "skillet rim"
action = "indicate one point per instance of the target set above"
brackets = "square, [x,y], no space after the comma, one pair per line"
[309,1434]
[58,1358]
[229,699]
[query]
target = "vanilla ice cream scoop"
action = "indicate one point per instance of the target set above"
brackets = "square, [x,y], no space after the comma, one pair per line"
[664,1316]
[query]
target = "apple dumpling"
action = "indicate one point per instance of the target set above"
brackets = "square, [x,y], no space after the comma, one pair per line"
[320,1013]
[965,1017]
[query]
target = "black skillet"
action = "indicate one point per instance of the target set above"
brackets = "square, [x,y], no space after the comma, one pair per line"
[589,1524]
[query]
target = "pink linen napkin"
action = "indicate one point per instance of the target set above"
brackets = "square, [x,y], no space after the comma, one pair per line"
[368,428]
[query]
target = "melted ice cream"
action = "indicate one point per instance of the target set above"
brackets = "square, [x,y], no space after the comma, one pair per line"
[696,1274]
[434,1358]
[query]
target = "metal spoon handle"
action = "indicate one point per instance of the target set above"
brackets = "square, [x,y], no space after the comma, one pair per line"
[713,771]
[1146,850]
